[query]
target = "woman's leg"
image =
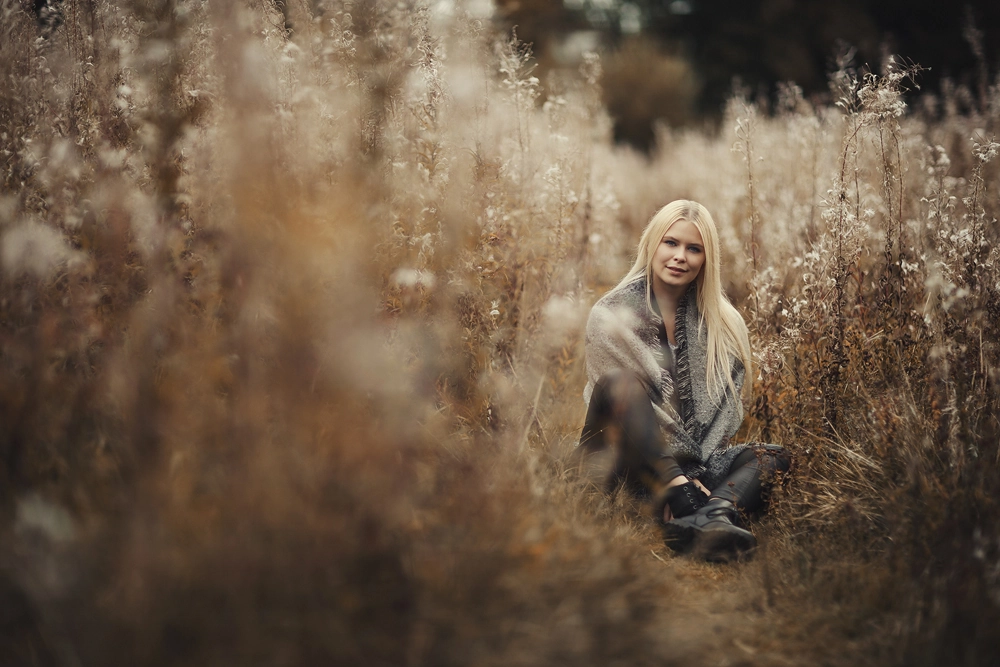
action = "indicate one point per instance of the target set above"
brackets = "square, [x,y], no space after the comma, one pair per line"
[621,417]
[751,476]
[712,532]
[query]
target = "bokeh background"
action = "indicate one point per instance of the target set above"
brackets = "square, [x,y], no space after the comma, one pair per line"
[292,299]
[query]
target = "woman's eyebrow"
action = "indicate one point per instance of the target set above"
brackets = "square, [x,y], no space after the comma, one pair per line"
[674,238]
[671,237]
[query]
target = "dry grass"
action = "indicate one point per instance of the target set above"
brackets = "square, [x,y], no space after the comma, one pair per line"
[291,357]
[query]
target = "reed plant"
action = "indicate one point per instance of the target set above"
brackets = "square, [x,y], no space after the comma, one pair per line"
[291,305]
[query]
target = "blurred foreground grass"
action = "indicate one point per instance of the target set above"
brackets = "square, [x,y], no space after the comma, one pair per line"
[291,353]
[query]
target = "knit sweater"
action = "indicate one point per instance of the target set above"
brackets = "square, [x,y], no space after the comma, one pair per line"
[623,333]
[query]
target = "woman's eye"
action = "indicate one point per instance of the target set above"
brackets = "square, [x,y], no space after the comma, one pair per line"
[695,249]
[669,241]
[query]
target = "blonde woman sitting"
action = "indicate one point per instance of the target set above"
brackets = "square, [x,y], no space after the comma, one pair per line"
[667,355]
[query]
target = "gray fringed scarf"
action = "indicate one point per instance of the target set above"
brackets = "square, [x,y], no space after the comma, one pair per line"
[622,333]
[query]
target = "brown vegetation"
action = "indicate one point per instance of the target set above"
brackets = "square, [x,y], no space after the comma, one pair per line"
[291,357]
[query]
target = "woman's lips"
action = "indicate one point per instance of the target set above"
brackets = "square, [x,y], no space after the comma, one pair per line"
[675,270]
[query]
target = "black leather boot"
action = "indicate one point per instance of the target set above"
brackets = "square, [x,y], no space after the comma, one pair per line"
[710,533]
[683,499]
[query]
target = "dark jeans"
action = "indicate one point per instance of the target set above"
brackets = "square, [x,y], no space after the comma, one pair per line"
[621,417]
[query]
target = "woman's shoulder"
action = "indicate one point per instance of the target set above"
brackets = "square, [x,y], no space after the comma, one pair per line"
[621,309]
[630,295]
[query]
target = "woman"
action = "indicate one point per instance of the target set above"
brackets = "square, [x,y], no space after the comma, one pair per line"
[667,355]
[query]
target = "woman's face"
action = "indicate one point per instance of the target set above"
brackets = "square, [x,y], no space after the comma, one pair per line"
[679,256]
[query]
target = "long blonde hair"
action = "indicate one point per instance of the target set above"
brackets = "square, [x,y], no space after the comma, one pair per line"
[727,332]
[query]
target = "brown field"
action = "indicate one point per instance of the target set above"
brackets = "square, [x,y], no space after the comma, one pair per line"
[291,352]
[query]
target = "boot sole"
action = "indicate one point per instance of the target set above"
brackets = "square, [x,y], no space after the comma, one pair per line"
[680,537]
[724,546]
[712,545]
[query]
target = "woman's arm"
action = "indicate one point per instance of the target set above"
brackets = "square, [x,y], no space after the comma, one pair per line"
[727,418]
[612,344]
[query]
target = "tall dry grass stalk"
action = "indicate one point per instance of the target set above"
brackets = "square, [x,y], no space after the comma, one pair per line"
[291,311]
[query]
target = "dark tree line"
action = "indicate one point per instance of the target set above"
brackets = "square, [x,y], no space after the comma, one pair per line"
[760,44]
[783,40]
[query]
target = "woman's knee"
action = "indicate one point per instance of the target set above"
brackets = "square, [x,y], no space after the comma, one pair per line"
[773,458]
[620,386]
